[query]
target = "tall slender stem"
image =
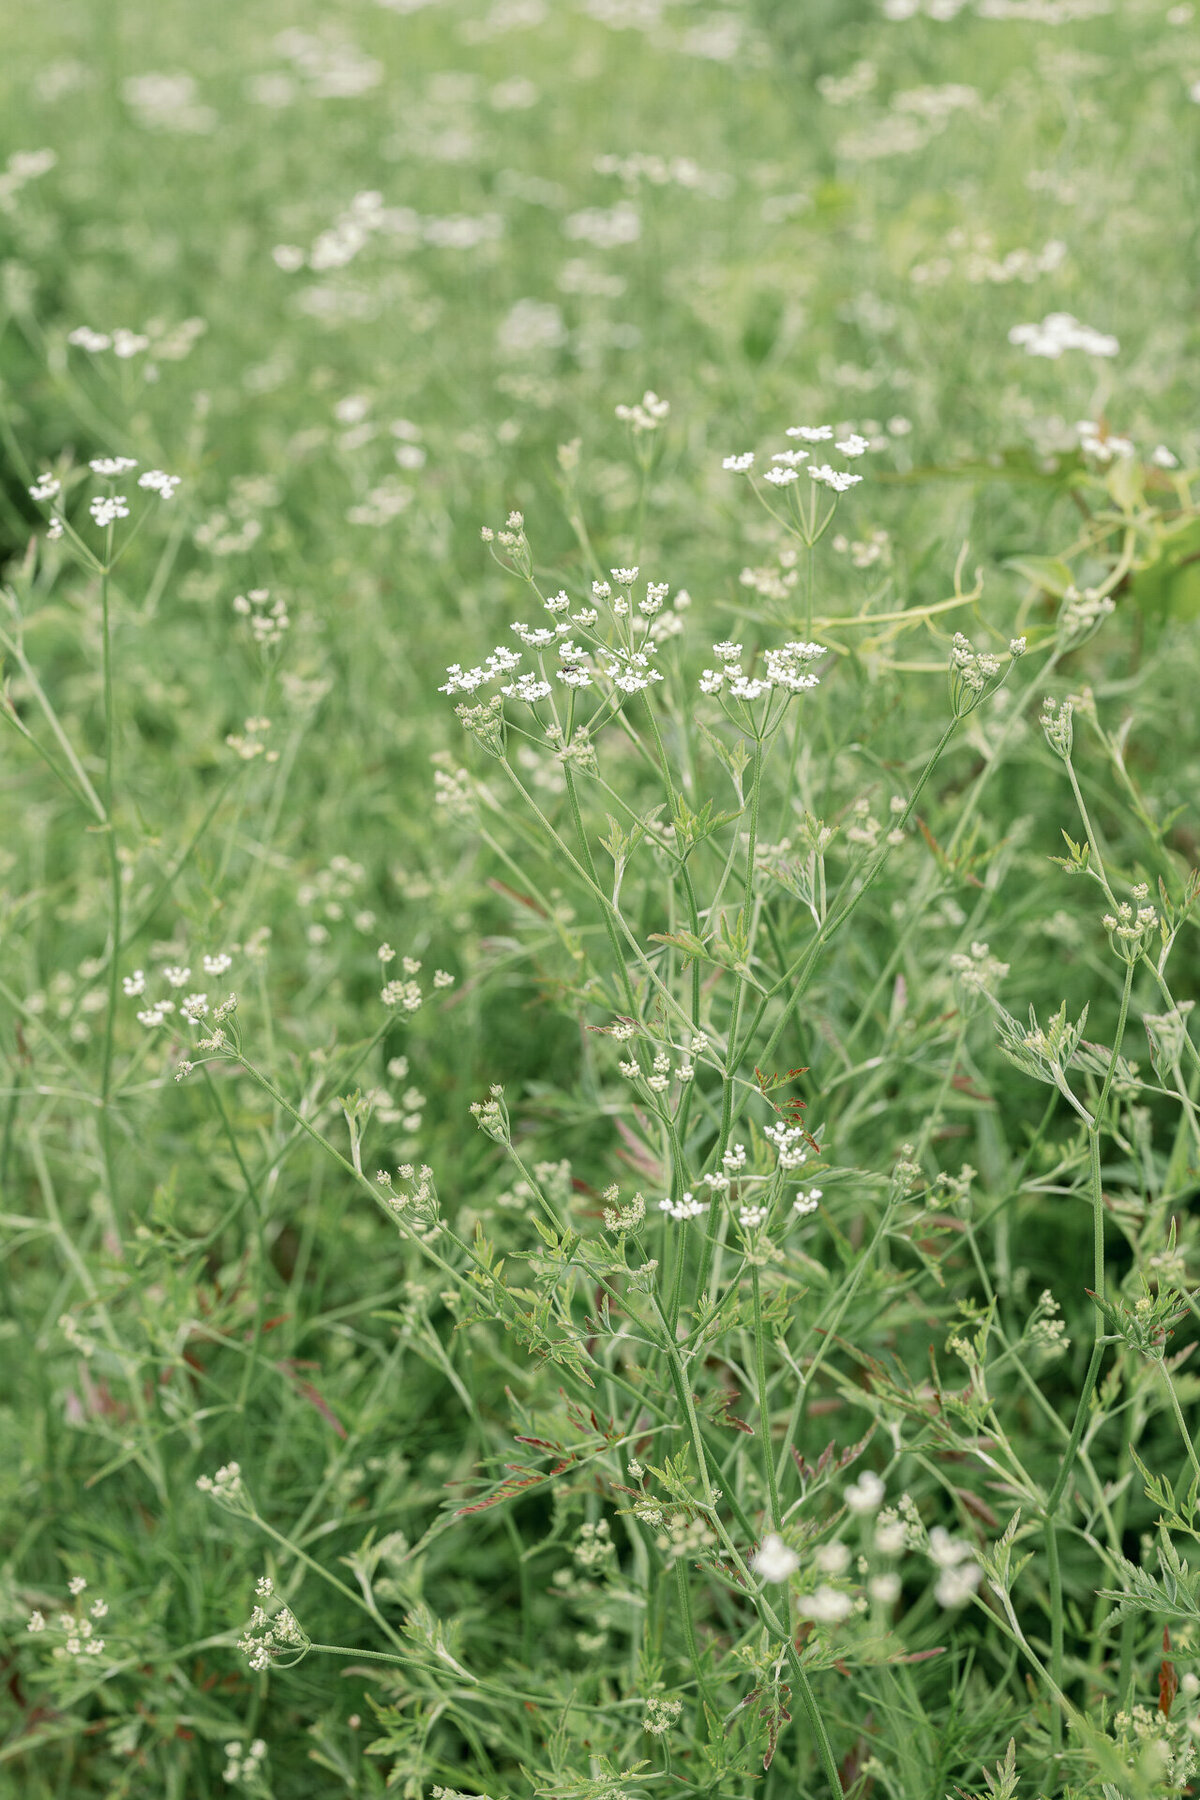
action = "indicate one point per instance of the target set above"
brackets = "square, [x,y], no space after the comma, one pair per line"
[764,1404]
[114,883]
[1093,1368]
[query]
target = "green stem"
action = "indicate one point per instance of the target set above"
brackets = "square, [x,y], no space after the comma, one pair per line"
[733,1056]
[764,1409]
[795,982]
[114,882]
[1093,1369]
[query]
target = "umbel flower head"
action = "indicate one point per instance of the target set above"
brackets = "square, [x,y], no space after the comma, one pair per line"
[773,1560]
[274,1637]
[974,674]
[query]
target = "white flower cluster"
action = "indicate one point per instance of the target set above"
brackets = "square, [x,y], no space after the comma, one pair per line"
[123,343]
[960,1574]
[108,508]
[785,464]
[268,619]
[1081,616]
[193,1007]
[774,1560]
[405,995]
[22,167]
[786,669]
[368,217]
[105,509]
[248,743]
[243,1764]
[620,1218]
[837,479]
[646,414]
[678,171]
[791,1143]
[1097,441]
[661,1715]
[898,1529]
[276,1639]
[791,1151]
[620,656]
[157,482]
[660,1076]
[76,1631]
[1130,931]
[1061,331]
[417,1203]
[979,971]
[225,1487]
[976,673]
[594,1548]
[686,1207]
[865,1495]
[491,1115]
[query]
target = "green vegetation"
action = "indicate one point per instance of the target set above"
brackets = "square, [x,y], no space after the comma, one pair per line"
[637,1240]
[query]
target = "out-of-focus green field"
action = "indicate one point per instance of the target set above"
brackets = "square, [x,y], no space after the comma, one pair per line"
[361,270]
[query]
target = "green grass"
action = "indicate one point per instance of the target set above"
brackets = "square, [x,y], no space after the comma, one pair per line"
[813,213]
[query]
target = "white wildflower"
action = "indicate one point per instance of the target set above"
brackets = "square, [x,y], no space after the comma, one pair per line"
[159,483]
[837,479]
[106,510]
[828,1606]
[774,1561]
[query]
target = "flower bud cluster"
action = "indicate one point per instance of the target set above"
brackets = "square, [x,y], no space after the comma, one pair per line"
[1081,616]
[1130,931]
[1058,724]
[621,1219]
[416,1204]
[978,971]
[973,674]
[661,1714]
[491,1115]
[226,1488]
[274,1638]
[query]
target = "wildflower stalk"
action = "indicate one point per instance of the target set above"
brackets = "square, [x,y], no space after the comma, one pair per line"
[797,978]
[764,1404]
[693,921]
[348,1593]
[829,1331]
[795,981]
[144,1450]
[612,915]
[732,1057]
[684,1593]
[85,789]
[1099,1340]
[642,1398]
[114,883]
[1184,1433]
[252,1194]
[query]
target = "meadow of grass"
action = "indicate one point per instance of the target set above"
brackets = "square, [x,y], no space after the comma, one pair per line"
[620,1223]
